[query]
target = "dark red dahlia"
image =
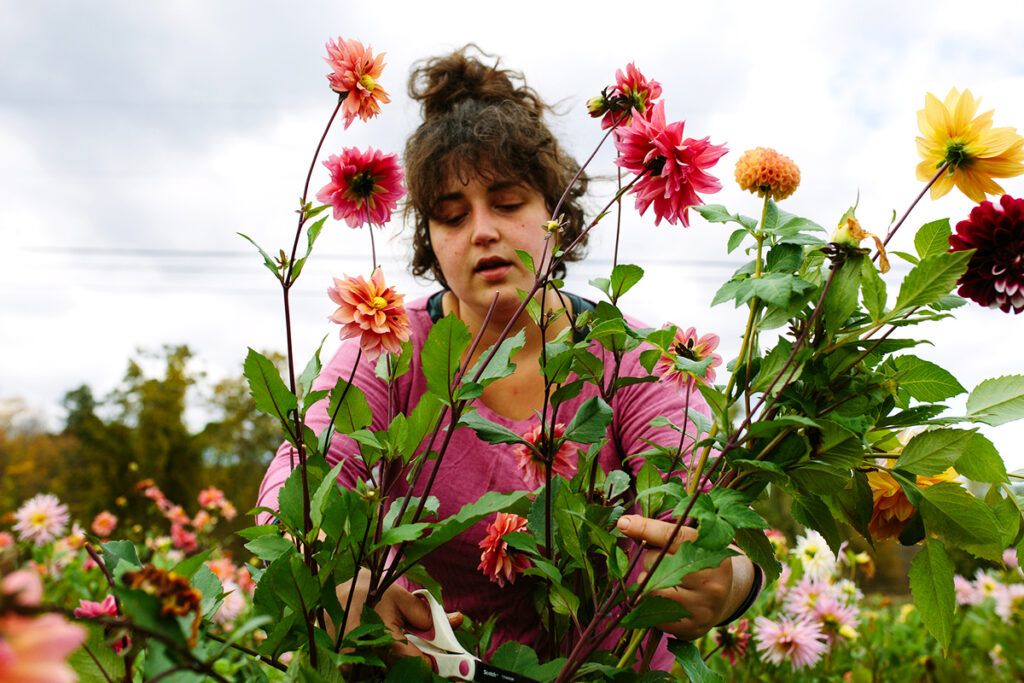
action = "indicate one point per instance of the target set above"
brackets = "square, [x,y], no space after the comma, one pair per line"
[995,274]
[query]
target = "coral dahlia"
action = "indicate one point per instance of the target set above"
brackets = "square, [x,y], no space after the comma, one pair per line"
[354,74]
[673,168]
[995,273]
[372,311]
[531,466]
[632,93]
[104,524]
[497,561]
[41,519]
[975,151]
[767,173]
[688,345]
[365,186]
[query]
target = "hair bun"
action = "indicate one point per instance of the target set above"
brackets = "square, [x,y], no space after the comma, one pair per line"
[441,83]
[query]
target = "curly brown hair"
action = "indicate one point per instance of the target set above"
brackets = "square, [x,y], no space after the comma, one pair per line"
[482,121]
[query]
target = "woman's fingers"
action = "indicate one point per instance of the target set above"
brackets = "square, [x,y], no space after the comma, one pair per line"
[654,532]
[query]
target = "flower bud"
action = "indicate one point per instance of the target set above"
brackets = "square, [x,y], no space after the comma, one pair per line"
[597,106]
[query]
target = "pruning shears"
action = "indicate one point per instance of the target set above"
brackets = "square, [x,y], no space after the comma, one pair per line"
[450,660]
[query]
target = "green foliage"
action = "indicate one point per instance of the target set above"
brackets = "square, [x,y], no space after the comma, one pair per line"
[441,355]
[931,582]
[997,401]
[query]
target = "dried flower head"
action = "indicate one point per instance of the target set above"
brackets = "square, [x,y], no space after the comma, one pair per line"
[176,596]
[767,173]
[354,75]
[975,151]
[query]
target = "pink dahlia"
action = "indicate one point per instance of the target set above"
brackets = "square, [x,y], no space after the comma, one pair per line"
[966,593]
[803,597]
[211,497]
[104,524]
[41,519]
[34,650]
[87,609]
[497,561]
[202,520]
[365,186]
[632,93]
[691,347]
[673,168]
[531,465]
[1010,601]
[23,587]
[354,74]
[800,642]
[836,618]
[734,640]
[995,273]
[372,311]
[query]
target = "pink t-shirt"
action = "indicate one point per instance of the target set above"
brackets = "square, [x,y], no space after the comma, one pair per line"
[472,467]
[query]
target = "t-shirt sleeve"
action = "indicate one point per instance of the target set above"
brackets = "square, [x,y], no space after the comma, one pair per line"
[342,448]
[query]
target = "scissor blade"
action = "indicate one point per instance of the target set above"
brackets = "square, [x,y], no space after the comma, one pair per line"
[486,672]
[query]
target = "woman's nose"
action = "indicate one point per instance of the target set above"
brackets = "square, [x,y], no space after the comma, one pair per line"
[484,227]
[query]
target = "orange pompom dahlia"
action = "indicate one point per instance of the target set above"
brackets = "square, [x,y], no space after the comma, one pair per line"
[767,173]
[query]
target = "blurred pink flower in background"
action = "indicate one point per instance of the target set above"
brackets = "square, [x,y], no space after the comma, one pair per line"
[183,539]
[800,642]
[734,640]
[531,466]
[41,519]
[6,539]
[87,609]
[966,593]
[24,586]
[673,168]
[211,497]
[354,74]
[365,186]
[104,524]
[201,520]
[33,650]
[372,311]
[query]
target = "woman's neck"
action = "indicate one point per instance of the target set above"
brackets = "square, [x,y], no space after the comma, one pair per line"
[475,321]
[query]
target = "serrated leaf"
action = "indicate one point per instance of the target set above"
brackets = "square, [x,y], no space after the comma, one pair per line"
[716,213]
[931,583]
[590,423]
[735,239]
[269,547]
[932,238]
[997,401]
[624,276]
[873,290]
[489,431]
[926,381]
[934,452]
[931,279]
[689,658]
[843,294]
[348,408]
[527,260]
[441,354]
[268,390]
[654,610]
[962,519]
[981,462]
[267,261]
[501,364]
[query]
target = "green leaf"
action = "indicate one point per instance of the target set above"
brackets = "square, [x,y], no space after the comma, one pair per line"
[981,462]
[349,408]
[687,559]
[811,511]
[624,276]
[527,260]
[873,290]
[933,238]
[290,580]
[269,547]
[843,293]
[689,658]
[312,369]
[311,234]
[441,354]
[774,288]
[934,452]
[501,365]
[759,549]
[190,565]
[820,478]
[931,583]
[491,432]
[997,401]
[735,239]
[267,261]
[106,660]
[269,392]
[590,423]
[654,610]
[963,520]
[716,213]
[932,278]
[784,258]
[515,657]
[401,534]
[117,551]
[926,381]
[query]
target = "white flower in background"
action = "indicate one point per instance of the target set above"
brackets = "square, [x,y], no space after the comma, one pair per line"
[817,558]
[41,519]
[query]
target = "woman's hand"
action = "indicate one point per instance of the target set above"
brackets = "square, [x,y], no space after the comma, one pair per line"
[710,595]
[398,608]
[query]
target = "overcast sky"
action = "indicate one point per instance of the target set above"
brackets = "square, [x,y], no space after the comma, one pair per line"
[138,137]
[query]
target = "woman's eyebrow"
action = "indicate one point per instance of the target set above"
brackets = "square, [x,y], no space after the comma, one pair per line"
[503,185]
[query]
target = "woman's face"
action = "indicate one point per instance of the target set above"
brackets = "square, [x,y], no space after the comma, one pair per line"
[475,231]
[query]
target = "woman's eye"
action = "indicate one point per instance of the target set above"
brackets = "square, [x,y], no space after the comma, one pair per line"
[453,220]
[510,207]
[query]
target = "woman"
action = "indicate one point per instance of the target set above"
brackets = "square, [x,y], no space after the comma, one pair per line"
[484,173]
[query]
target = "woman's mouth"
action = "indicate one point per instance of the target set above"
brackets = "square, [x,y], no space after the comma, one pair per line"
[492,268]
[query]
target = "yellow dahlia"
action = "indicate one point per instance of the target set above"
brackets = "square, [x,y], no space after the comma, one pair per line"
[767,173]
[891,507]
[975,151]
